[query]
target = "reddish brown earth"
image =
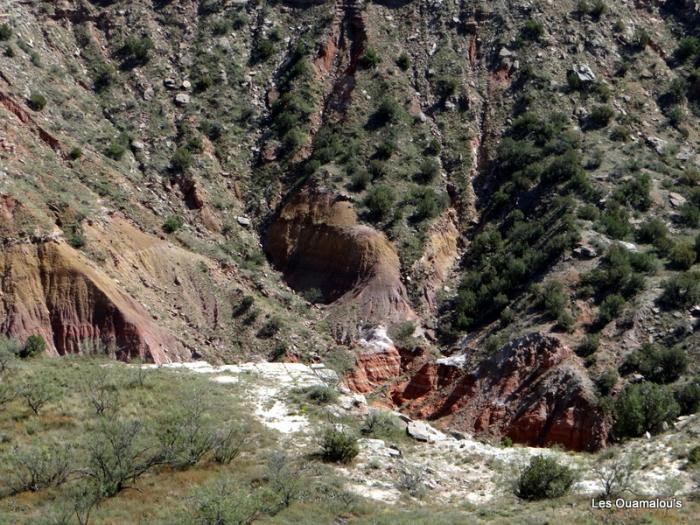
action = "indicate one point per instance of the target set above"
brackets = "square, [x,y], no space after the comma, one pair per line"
[318,244]
[49,288]
[534,391]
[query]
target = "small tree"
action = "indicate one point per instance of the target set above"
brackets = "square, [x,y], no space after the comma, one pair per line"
[544,478]
[101,391]
[610,309]
[37,393]
[657,363]
[172,223]
[643,407]
[117,456]
[601,116]
[184,434]
[370,59]
[285,479]
[615,472]
[682,255]
[688,397]
[229,442]
[223,503]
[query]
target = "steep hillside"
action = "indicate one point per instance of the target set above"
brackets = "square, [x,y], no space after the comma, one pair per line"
[485,214]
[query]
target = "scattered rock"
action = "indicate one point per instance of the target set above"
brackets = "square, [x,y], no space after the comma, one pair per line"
[243,221]
[421,431]
[676,199]
[658,144]
[182,99]
[584,73]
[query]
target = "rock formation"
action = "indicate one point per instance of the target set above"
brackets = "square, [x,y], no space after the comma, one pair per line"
[50,289]
[318,244]
[534,390]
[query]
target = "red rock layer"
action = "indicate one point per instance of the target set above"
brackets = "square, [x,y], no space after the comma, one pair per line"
[50,289]
[534,390]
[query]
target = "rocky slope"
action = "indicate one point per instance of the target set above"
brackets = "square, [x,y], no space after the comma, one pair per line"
[233,179]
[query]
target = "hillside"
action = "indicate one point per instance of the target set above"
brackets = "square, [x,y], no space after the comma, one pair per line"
[483,215]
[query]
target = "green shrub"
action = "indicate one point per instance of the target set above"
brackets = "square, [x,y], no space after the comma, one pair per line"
[447,86]
[682,255]
[36,101]
[676,116]
[182,160]
[271,327]
[5,32]
[369,59]
[75,153]
[116,150]
[614,221]
[654,231]
[33,469]
[688,48]
[588,346]
[318,394]
[620,134]
[428,205]
[382,425]
[339,446]
[532,30]
[428,171]
[688,397]
[118,455]
[245,305]
[657,363]
[34,345]
[388,112]
[601,116]
[105,75]
[359,180]
[552,298]
[404,62]
[544,478]
[694,457]
[642,38]
[37,392]
[136,51]
[682,291]
[386,149]
[172,223]
[606,381]
[264,49]
[610,309]
[380,201]
[635,192]
[643,407]
[10,52]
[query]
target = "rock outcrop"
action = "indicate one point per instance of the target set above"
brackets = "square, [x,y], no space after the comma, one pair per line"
[51,289]
[534,390]
[319,246]
[377,362]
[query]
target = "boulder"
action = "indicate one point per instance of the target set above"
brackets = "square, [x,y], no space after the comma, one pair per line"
[584,73]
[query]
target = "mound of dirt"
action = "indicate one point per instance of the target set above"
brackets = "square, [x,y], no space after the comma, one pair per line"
[317,243]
